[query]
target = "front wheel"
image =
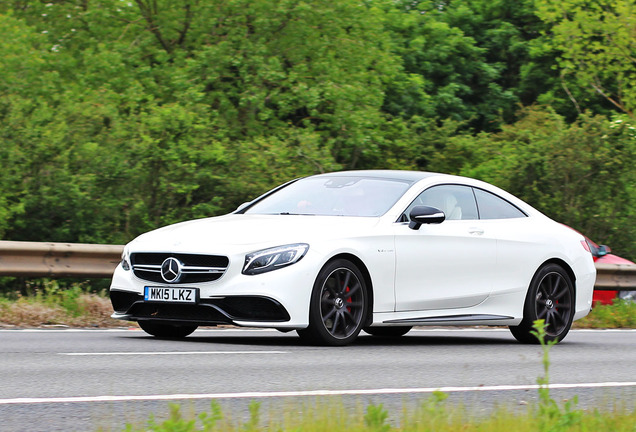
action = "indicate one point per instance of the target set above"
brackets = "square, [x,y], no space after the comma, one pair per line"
[169,331]
[550,298]
[338,307]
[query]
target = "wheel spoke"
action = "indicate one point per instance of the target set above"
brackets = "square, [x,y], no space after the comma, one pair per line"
[325,318]
[330,289]
[336,321]
[561,293]
[541,314]
[548,318]
[352,291]
[327,301]
[346,315]
[556,281]
[558,316]
[343,286]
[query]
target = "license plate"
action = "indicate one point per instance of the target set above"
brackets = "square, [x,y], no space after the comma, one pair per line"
[172,295]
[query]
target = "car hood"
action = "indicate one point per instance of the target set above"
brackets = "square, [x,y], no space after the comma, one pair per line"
[240,232]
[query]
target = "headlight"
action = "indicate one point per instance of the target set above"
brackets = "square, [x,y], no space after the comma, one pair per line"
[125,263]
[274,258]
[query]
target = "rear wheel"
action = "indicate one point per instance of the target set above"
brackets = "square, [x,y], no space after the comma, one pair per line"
[388,332]
[161,330]
[338,305]
[550,298]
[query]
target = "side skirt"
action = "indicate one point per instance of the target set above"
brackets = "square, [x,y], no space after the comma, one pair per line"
[450,319]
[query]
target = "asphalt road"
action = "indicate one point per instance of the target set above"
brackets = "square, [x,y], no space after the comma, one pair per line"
[82,380]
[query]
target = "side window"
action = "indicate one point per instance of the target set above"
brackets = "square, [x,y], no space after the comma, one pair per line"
[457,202]
[493,207]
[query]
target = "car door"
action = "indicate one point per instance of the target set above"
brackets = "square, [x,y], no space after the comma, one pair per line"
[446,265]
[518,241]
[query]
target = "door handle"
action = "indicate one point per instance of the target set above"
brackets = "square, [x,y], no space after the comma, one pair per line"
[476,231]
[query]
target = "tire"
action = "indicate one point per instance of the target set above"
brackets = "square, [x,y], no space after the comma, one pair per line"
[339,305]
[388,332]
[551,298]
[169,331]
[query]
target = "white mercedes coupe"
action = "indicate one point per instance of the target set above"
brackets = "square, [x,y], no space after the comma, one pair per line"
[381,251]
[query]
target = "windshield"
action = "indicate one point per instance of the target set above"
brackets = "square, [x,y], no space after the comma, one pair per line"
[334,196]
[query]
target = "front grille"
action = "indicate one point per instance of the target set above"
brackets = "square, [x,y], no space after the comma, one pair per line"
[194,268]
[200,314]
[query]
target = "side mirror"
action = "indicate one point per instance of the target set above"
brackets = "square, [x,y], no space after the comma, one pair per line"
[603,250]
[425,215]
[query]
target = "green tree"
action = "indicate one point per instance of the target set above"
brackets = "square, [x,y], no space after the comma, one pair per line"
[596,45]
[139,114]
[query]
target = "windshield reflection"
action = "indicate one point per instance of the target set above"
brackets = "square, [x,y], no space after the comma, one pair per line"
[334,196]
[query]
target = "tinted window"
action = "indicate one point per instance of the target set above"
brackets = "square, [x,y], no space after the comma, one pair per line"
[493,207]
[457,202]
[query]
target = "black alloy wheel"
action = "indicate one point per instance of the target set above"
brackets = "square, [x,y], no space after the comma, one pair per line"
[550,298]
[168,331]
[338,306]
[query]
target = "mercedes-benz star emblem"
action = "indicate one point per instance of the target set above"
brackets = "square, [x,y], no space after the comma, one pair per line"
[171,270]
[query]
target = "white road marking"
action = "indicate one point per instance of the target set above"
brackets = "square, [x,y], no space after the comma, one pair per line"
[151,353]
[256,395]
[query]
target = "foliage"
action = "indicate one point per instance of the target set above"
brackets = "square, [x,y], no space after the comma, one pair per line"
[149,114]
[620,314]
[596,41]
[177,423]
[376,417]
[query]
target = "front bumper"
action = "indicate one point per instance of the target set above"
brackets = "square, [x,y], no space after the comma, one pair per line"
[279,298]
[130,306]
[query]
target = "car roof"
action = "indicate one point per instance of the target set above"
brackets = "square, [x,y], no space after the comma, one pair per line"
[411,176]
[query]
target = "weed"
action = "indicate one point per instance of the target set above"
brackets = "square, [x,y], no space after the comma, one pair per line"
[551,417]
[375,419]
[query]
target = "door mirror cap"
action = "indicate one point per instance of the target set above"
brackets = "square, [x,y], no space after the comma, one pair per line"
[425,215]
[603,250]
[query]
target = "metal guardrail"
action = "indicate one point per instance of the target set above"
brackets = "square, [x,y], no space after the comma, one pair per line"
[33,259]
[615,277]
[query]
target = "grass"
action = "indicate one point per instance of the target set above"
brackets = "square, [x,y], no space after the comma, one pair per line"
[47,303]
[621,314]
[432,415]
